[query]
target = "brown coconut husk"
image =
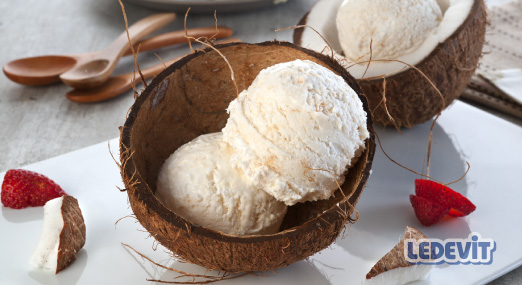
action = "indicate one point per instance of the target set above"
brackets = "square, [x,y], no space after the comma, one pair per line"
[410,98]
[72,237]
[189,99]
[395,257]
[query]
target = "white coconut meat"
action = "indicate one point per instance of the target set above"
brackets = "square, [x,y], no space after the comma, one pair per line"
[322,17]
[45,254]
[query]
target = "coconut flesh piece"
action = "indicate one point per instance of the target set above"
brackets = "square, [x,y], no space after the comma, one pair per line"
[63,235]
[321,17]
[393,268]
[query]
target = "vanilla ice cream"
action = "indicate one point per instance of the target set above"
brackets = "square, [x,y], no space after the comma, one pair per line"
[198,183]
[397,27]
[296,130]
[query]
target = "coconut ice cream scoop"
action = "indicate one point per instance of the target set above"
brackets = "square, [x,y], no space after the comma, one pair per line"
[296,130]
[198,183]
[396,27]
[63,235]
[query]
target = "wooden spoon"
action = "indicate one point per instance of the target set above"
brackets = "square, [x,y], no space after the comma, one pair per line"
[99,65]
[45,70]
[178,37]
[117,85]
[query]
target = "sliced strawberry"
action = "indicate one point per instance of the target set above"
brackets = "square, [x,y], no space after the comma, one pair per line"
[23,188]
[456,213]
[436,192]
[428,212]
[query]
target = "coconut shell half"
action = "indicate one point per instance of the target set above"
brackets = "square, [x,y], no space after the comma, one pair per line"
[410,98]
[189,99]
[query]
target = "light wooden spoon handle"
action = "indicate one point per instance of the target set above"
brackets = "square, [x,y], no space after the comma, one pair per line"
[178,37]
[137,31]
[156,69]
[98,69]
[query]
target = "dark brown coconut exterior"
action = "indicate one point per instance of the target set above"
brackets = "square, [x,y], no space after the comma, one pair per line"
[410,98]
[72,237]
[395,257]
[189,99]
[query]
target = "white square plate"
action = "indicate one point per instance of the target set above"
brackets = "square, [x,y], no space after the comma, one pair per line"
[492,146]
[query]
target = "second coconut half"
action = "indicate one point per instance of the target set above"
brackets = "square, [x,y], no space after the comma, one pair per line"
[411,41]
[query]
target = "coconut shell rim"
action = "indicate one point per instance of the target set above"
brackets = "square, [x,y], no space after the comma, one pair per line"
[298,34]
[145,193]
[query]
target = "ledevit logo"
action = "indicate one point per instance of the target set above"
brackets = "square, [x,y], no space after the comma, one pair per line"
[473,250]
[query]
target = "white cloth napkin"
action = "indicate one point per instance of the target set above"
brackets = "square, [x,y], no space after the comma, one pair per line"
[498,79]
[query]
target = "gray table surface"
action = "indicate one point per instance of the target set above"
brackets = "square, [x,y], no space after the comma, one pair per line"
[37,123]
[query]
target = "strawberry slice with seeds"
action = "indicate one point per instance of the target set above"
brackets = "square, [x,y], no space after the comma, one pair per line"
[436,192]
[23,188]
[428,212]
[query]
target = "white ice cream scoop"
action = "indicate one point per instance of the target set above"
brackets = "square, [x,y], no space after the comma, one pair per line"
[393,27]
[296,130]
[198,183]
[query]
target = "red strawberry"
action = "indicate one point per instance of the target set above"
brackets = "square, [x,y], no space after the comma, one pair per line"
[23,188]
[436,192]
[428,212]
